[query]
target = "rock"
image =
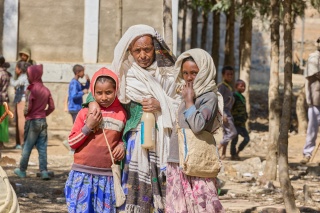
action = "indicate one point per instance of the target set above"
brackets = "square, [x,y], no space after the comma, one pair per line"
[31,163]
[315,196]
[313,171]
[61,200]
[32,195]
[251,165]
[6,161]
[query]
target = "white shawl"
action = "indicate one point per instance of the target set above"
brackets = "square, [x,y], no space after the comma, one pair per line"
[137,83]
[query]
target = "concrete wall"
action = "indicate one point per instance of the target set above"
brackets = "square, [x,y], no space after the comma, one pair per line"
[52,29]
[108,30]
[1,23]
[143,12]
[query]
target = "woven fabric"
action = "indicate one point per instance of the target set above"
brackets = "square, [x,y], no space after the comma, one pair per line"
[198,153]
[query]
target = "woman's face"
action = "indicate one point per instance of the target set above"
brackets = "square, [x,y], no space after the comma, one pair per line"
[142,51]
[189,71]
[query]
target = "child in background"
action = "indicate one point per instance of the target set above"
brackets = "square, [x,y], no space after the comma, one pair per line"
[4,84]
[240,116]
[229,131]
[20,85]
[76,91]
[90,186]
[39,104]
[25,55]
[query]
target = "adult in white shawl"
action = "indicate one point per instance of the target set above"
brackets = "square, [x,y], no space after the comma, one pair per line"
[144,65]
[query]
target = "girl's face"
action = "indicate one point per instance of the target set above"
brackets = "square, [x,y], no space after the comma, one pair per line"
[189,71]
[104,93]
[18,71]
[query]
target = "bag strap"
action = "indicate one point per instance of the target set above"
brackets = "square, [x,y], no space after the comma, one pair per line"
[107,142]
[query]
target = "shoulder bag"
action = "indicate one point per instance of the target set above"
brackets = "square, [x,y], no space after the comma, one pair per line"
[116,172]
[198,153]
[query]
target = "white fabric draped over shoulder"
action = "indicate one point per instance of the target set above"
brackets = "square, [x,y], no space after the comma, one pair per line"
[157,81]
[137,83]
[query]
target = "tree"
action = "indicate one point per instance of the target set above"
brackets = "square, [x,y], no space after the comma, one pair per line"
[119,22]
[245,47]
[286,187]
[184,6]
[167,22]
[216,37]
[206,6]
[270,170]
[229,42]
[194,24]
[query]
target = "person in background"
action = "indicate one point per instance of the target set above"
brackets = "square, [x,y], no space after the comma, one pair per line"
[200,110]
[25,55]
[90,185]
[39,104]
[225,88]
[4,97]
[20,84]
[76,91]
[312,86]
[240,116]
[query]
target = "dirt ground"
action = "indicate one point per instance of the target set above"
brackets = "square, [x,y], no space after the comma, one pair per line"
[240,193]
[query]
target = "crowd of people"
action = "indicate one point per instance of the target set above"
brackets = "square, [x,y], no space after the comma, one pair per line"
[145,76]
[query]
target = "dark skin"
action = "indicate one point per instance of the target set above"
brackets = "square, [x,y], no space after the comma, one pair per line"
[142,50]
[105,93]
[189,72]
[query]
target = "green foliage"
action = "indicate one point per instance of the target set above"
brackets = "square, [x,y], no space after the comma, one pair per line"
[315,4]
[298,8]
[247,9]
[222,6]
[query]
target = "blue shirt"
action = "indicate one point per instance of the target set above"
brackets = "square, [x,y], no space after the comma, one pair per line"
[75,95]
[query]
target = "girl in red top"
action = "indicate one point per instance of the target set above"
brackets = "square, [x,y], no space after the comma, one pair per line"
[90,187]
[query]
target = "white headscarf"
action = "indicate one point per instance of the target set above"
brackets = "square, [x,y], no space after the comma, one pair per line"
[205,79]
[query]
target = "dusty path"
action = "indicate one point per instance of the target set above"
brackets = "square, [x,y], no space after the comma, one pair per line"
[240,194]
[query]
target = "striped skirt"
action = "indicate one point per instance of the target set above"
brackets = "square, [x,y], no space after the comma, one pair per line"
[89,193]
[186,194]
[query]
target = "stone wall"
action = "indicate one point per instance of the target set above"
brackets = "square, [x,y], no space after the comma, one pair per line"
[52,29]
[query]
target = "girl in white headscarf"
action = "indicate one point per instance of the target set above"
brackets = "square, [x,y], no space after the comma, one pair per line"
[200,110]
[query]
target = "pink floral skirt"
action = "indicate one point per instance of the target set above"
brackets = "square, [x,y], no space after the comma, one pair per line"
[187,194]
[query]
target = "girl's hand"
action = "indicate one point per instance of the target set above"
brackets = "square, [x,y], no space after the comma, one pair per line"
[93,105]
[150,105]
[94,118]
[188,94]
[118,152]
